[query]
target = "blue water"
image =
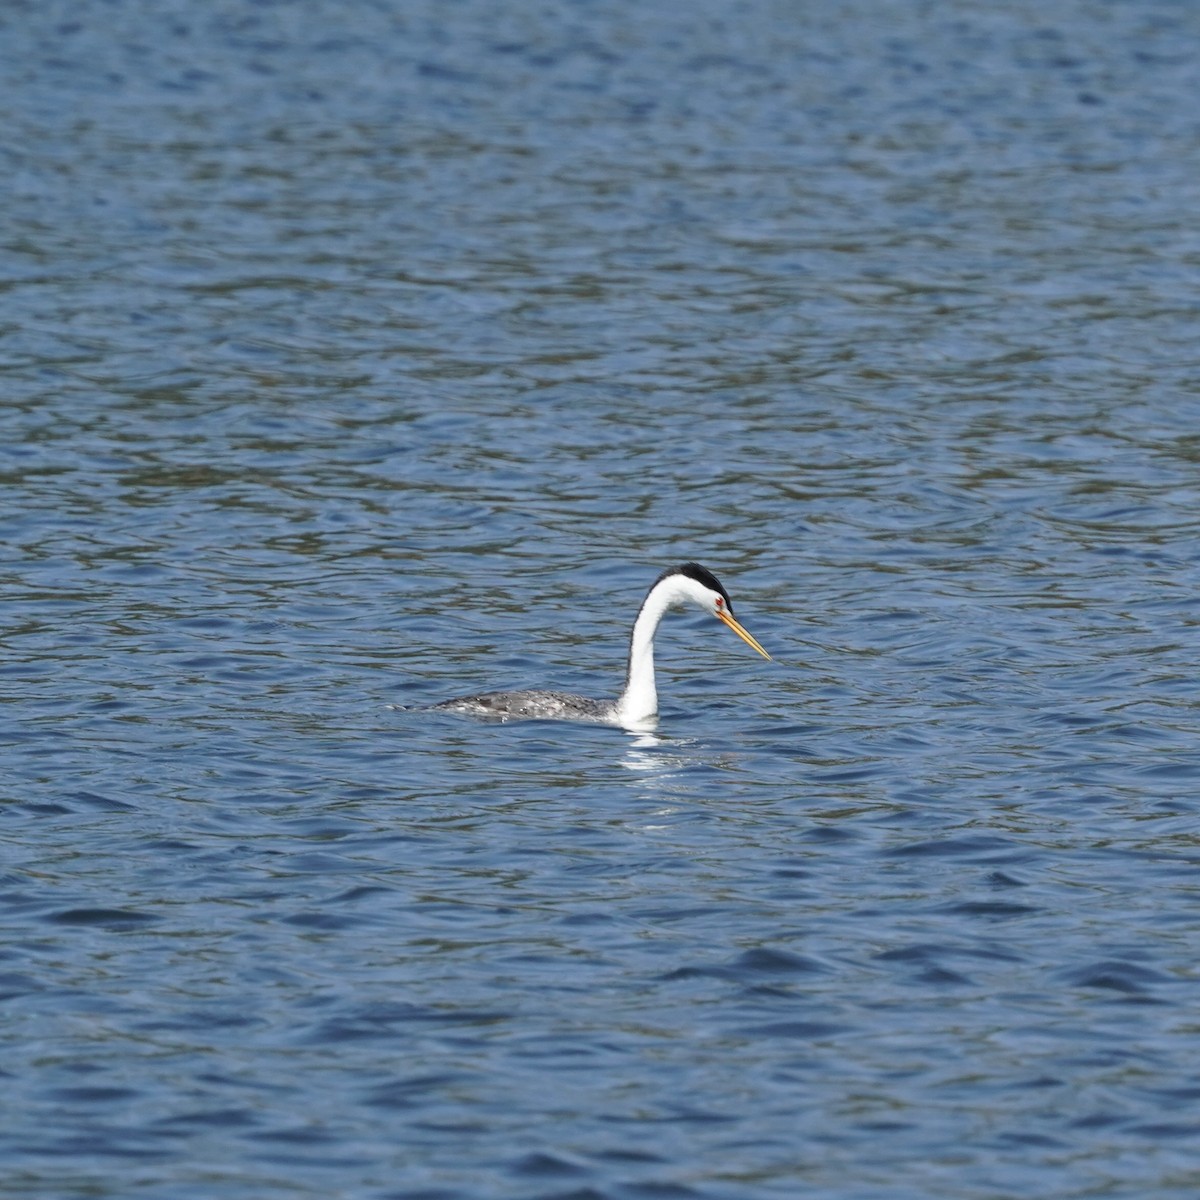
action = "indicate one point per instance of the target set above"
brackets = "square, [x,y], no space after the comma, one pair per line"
[357,357]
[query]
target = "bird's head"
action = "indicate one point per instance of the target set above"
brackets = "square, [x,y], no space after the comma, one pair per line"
[692,583]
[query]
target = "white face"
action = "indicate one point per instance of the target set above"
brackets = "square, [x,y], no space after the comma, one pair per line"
[713,602]
[689,591]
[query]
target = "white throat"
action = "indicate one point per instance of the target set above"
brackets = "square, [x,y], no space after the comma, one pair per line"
[639,700]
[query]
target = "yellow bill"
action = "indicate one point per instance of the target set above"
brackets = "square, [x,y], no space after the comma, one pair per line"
[722,615]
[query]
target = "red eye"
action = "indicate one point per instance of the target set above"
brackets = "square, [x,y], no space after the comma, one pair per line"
[720,602]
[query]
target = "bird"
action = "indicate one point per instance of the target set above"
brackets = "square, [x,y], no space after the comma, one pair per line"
[637,704]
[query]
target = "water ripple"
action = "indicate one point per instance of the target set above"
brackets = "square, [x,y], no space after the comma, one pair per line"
[356,359]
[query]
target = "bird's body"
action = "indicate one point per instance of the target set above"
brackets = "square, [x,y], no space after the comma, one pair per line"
[562,706]
[638,702]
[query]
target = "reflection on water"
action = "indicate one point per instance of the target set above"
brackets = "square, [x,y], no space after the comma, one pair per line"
[636,759]
[658,760]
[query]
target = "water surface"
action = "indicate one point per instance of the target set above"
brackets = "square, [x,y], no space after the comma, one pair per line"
[353,359]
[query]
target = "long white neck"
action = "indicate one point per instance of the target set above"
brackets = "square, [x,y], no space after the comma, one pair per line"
[639,700]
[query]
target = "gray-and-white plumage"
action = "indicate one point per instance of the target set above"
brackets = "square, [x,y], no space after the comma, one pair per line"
[638,702]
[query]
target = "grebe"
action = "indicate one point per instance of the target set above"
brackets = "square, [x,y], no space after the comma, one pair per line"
[638,703]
